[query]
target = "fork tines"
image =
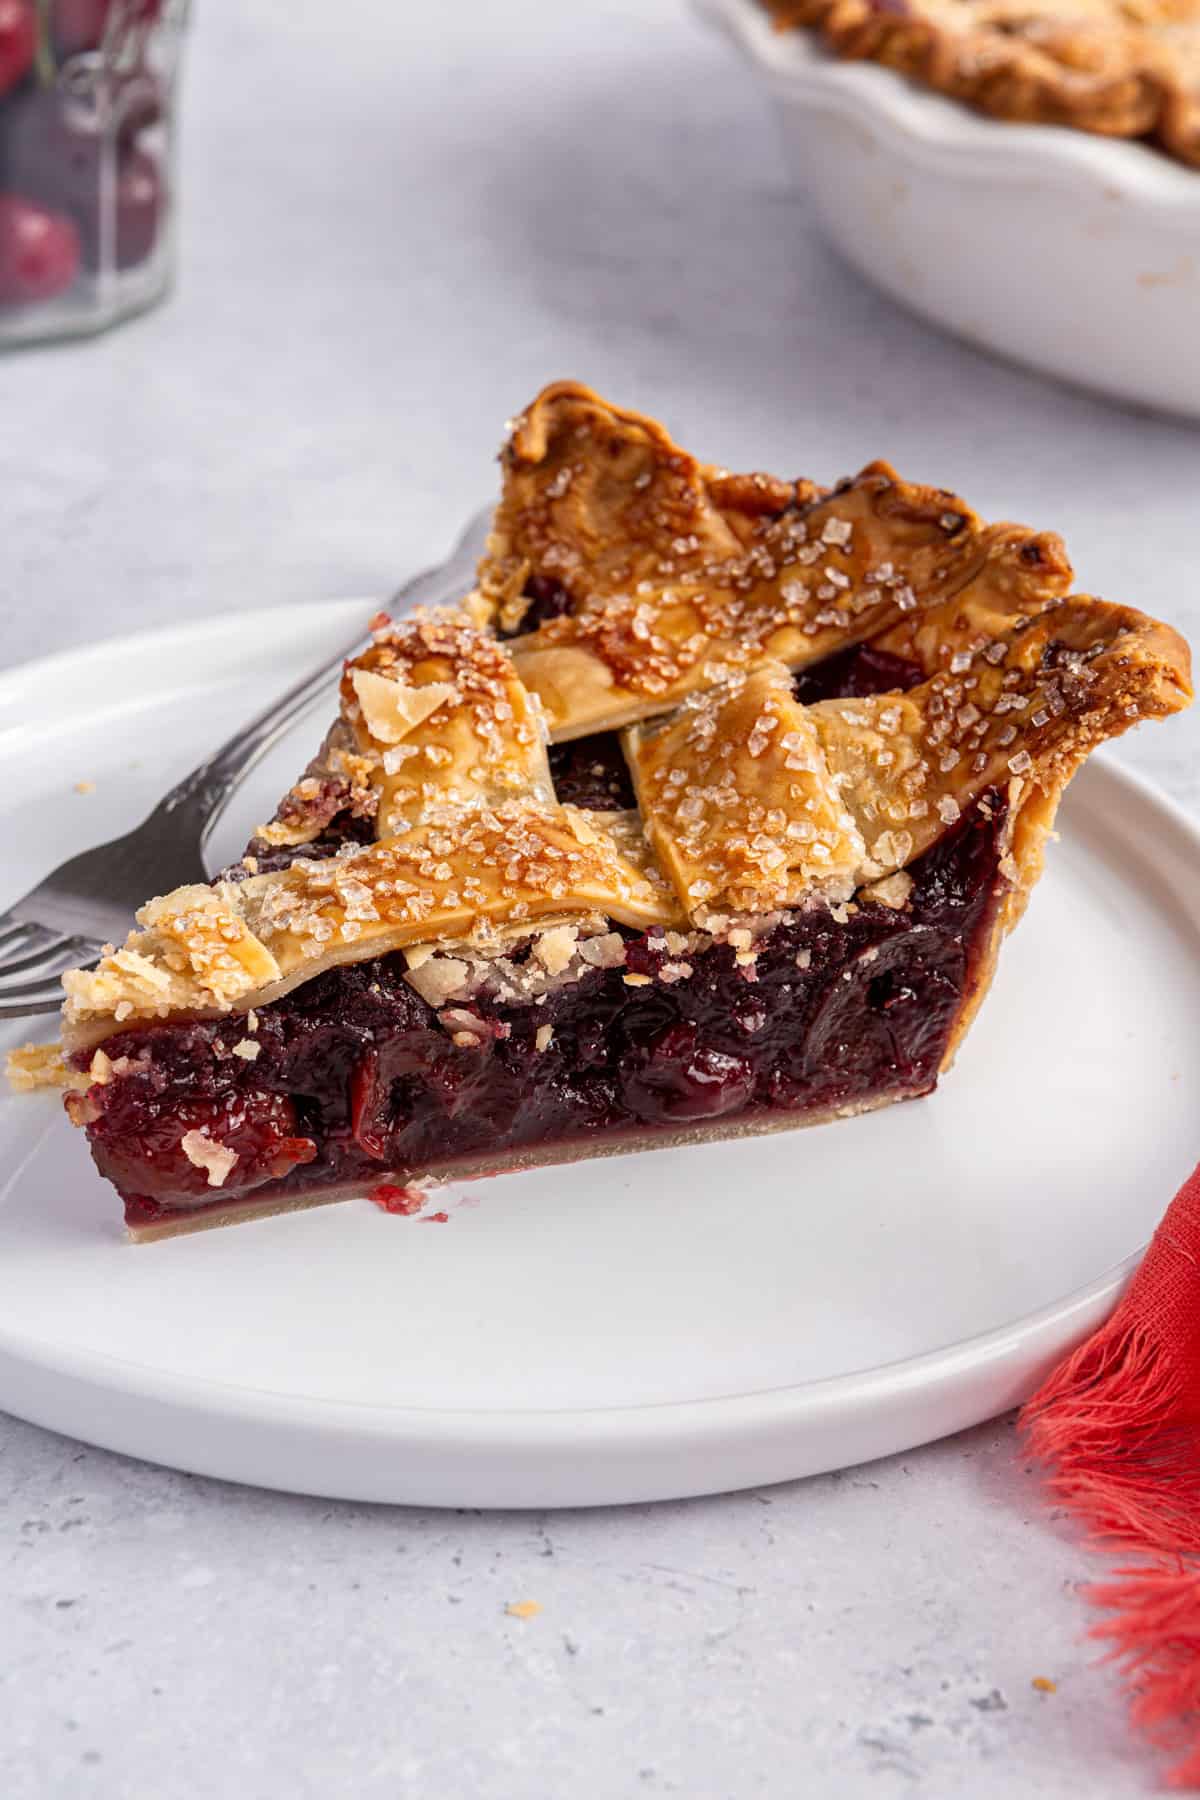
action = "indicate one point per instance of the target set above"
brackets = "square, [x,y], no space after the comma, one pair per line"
[40,956]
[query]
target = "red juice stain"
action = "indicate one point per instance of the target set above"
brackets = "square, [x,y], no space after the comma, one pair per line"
[392,1199]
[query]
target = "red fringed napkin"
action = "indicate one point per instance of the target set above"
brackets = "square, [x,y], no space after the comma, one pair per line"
[1119,1425]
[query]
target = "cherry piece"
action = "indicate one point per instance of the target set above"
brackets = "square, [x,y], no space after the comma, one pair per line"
[140,1147]
[80,25]
[139,106]
[139,202]
[39,252]
[18,40]
[392,1199]
[679,1077]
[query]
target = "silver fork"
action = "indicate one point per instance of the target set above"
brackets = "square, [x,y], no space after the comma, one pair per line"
[90,900]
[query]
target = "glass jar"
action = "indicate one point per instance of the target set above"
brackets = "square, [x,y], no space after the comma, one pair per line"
[87,167]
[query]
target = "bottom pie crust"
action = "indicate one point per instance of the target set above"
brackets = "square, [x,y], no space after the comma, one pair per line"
[536,1156]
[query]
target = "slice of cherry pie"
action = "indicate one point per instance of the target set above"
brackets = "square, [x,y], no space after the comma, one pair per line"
[804,750]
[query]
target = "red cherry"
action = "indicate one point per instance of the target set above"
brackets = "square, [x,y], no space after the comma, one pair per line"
[80,24]
[139,106]
[142,1150]
[679,1077]
[139,201]
[137,204]
[18,41]
[39,251]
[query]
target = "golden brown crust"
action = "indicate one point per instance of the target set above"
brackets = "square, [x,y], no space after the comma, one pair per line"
[1031,703]
[751,803]
[431,714]
[677,571]
[440,717]
[740,804]
[243,944]
[1119,68]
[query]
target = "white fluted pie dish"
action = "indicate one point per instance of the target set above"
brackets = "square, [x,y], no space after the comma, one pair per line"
[1074,254]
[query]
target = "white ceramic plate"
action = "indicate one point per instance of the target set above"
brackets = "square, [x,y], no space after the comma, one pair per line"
[1076,254]
[665,1324]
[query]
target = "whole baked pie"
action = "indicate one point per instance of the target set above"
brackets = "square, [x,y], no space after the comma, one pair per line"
[706,813]
[1124,68]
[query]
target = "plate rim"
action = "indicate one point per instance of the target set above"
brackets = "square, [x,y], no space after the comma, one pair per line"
[955,1357]
[1038,1337]
[21,680]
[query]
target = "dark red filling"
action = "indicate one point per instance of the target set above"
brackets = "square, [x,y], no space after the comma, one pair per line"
[862,669]
[345,829]
[592,772]
[356,1080]
[548,599]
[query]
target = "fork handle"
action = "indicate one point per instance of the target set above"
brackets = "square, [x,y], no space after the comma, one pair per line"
[207,791]
[211,785]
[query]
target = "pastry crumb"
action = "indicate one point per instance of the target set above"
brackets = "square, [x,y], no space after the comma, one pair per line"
[214,1159]
[85,787]
[892,891]
[555,948]
[35,1066]
[523,1609]
[1044,1685]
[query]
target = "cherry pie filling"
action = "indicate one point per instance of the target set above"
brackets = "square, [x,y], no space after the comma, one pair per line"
[353,1079]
